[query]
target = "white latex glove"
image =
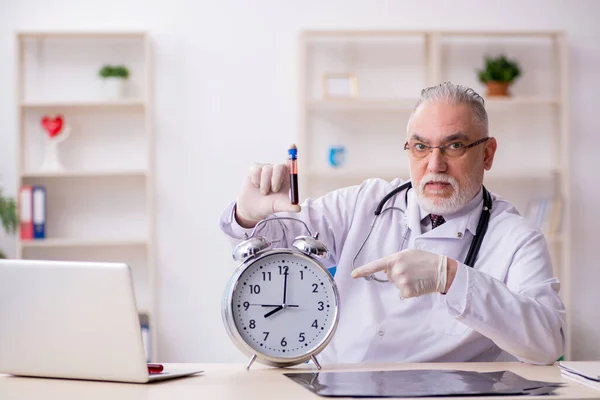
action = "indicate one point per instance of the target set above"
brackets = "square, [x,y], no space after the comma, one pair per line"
[414,272]
[265,191]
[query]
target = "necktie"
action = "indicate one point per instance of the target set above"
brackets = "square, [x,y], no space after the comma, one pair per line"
[436,220]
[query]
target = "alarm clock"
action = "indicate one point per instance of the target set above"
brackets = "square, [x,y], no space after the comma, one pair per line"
[281,305]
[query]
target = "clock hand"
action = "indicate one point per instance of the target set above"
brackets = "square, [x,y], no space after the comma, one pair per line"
[285,275]
[267,315]
[275,305]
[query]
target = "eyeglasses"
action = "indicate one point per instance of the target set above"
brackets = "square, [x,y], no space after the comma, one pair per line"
[454,149]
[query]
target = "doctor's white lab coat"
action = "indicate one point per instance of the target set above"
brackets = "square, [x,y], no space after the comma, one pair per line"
[507,305]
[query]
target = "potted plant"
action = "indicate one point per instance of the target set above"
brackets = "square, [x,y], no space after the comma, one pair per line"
[115,77]
[8,216]
[498,74]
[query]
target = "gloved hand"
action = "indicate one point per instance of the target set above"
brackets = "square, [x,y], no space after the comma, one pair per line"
[265,191]
[414,272]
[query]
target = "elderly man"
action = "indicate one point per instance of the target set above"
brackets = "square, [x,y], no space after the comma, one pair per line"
[416,288]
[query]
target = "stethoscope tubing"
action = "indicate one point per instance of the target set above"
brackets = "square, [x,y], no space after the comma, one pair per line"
[475,246]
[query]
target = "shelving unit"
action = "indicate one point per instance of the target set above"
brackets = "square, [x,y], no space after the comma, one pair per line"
[392,67]
[101,206]
[83,243]
[83,104]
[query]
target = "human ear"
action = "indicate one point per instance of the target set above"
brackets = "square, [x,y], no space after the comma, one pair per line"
[489,151]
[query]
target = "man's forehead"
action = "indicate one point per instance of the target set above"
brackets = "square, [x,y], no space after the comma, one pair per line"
[442,121]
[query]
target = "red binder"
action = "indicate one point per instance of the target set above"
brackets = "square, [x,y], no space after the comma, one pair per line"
[26,212]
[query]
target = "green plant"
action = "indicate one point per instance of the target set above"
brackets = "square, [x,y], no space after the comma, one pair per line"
[8,216]
[499,69]
[114,71]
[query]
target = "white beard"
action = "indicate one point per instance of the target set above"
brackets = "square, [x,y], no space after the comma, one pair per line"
[452,204]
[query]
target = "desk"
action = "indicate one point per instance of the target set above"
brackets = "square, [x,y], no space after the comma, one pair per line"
[232,381]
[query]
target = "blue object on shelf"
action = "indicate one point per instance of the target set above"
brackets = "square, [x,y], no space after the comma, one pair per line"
[337,156]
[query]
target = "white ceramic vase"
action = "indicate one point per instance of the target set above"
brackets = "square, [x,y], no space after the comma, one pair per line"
[114,88]
[52,162]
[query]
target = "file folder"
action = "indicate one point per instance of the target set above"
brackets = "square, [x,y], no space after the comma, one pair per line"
[39,212]
[26,212]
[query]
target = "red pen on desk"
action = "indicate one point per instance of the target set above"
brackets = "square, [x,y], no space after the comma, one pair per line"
[155,368]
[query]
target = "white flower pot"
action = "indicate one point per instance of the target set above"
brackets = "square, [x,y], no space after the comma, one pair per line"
[114,88]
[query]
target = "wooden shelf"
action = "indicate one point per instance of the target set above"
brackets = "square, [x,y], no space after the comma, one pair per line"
[82,35]
[408,104]
[125,103]
[393,172]
[348,175]
[41,243]
[393,33]
[529,174]
[521,101]
[361,104]
[87,174]
[507,33]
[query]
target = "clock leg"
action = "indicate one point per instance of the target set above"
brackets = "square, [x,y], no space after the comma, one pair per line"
[314,359]
[251,362]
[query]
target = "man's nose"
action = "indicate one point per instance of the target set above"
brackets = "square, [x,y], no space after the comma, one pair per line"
[437,161]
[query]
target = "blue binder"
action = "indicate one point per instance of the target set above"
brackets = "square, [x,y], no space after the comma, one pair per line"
[39,212]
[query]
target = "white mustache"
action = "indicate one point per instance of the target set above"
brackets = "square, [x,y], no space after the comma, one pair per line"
[438,178]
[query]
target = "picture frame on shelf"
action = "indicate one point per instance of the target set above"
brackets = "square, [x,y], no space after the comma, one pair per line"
[340,86]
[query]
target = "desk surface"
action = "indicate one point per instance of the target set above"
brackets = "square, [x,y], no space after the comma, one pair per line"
[232,381]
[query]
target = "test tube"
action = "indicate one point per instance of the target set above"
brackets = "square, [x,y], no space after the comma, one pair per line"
[293,166]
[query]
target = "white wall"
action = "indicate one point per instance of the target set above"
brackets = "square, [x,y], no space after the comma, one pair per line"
[226,95]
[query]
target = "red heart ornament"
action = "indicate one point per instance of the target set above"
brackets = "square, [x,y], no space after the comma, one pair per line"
[52,125]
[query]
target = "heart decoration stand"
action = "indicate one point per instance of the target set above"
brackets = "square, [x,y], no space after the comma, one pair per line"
[57,132]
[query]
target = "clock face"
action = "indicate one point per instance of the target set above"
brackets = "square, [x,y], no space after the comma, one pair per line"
[284,305]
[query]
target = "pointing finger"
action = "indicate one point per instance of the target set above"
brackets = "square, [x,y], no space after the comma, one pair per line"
[370,268]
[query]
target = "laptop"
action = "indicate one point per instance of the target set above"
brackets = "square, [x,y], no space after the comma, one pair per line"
[73,320]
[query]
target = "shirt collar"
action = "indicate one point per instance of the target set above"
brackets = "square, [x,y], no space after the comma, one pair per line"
[464,219]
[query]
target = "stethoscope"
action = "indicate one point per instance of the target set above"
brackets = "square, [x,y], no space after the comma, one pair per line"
[482,225]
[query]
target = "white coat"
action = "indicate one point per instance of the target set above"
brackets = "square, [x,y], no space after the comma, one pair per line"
[507,303]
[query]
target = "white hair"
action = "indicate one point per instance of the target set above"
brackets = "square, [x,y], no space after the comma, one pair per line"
[456,94]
